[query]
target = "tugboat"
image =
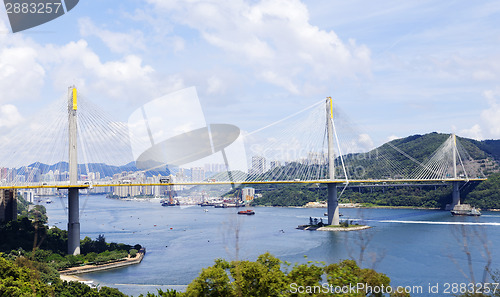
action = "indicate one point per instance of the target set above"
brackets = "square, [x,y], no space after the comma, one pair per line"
[246,212]
[465,210]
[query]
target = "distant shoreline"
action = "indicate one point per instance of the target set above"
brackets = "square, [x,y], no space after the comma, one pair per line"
[374,207]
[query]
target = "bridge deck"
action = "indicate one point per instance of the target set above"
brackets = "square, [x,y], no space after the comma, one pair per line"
[337,181]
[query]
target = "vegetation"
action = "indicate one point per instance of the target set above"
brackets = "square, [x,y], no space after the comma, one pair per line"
[33,212]
[24,278]
[31,255]
[487,194]
[267,276]
[420,147]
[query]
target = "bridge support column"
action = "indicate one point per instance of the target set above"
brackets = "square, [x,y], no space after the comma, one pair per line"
[73,221]
[73,199]
[456,194]
[333,205]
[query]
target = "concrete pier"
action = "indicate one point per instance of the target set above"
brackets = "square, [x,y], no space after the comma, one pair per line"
[73,222]
[333,205]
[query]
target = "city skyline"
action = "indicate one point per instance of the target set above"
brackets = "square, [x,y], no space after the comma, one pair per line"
[396,69]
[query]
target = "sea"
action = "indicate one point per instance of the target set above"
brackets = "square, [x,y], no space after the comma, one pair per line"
[425,252]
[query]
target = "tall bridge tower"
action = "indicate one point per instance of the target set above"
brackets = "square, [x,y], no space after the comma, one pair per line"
[73,189]
[333,203]
[456,183]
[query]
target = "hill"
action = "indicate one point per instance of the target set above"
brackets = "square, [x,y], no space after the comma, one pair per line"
[486,155]
[391,160]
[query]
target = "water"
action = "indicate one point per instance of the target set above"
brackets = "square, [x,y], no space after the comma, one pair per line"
[413,247]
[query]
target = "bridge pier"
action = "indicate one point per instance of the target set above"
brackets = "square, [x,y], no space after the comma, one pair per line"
[333,205]
[73,192]
[456,193]
[455,196]
[73,221]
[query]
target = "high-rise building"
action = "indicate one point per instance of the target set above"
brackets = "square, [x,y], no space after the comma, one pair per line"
[247,194]
[316,158]
[258,165]
[197,174]
[274,164]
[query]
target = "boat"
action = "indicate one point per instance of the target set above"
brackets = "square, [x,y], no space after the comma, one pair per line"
[465,210]
[170,203]
[246,212]
[340,215]
[203,204]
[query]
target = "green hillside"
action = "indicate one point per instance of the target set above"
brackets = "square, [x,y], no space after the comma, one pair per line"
[390,160]
[375,165]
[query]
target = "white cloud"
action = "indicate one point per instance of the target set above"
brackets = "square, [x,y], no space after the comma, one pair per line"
[215,85]
[117,42]
[489,124]
[274,37]
[365,142]
[491,116]
[125,79]
[21,74]
[393,137]
[9,116]
[475,132]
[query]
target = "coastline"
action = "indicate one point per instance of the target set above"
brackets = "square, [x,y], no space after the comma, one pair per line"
[70,273]
[374,207]
[71,278]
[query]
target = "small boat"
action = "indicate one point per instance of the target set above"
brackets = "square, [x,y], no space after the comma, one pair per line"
[170,203]
[205,210]
[465,210]
[203,204]
[246,212]
[340,215]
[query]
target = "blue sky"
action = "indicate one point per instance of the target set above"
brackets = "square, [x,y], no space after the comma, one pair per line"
[397,68]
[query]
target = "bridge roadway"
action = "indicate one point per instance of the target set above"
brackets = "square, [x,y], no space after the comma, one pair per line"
[389,182]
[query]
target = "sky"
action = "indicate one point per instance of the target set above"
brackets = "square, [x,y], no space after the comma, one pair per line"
[396,68]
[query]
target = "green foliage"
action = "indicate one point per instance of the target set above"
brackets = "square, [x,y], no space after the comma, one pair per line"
[71,289]
[291,195]
[167,293]
[36,213]
[264,277]
[21,233]
[20,281]
[133,253]
[416,196]
[26,278]
[23,236]
[487,194]
[371,165]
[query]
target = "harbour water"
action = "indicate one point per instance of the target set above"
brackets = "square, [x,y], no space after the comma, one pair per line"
[413,247]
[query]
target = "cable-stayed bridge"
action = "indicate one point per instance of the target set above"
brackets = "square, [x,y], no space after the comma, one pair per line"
[73,145]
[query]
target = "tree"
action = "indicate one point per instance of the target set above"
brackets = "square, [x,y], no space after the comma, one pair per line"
[212,281]
[20,281]
[264,277]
